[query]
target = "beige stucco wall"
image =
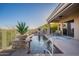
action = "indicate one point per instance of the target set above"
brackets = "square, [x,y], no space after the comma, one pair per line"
[76,28]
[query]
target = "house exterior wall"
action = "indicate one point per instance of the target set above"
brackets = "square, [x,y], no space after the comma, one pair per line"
[75,17]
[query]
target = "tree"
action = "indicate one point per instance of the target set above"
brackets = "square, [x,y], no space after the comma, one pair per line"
[53,27]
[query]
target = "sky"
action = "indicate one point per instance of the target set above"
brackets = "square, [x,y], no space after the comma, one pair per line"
[34,15]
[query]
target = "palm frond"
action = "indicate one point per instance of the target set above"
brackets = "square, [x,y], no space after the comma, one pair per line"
[22,28]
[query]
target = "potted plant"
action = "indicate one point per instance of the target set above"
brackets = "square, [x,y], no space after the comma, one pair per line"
[22,29]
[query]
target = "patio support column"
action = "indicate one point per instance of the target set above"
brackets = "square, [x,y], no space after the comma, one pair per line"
[58,26]
[76,28]
[61,28]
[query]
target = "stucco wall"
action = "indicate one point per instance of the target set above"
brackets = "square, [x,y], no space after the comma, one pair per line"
[76,28]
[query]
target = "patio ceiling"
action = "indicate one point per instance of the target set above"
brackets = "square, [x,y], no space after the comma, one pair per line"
[67,9]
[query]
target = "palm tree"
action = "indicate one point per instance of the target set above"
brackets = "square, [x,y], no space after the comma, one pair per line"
[22,28]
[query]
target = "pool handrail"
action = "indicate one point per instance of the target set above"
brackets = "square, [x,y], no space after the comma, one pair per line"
[52,41]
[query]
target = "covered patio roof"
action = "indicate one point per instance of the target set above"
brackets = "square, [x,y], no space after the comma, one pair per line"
[63,10]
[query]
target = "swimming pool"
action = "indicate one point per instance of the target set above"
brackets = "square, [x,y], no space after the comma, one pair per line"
[37,45]
[41,45]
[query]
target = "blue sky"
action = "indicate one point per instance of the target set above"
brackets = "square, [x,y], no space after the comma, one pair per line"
[33,14]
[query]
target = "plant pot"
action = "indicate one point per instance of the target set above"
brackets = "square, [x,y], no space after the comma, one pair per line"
[22,37]
[20,43]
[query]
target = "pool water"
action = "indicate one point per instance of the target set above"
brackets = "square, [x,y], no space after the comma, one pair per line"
[39,44]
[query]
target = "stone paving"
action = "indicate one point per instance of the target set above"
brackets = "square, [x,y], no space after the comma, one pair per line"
[20,52]
[69,47]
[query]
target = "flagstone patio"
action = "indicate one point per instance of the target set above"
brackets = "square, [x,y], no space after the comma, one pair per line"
[69,46]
